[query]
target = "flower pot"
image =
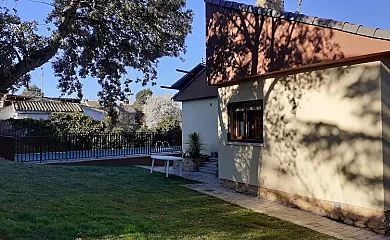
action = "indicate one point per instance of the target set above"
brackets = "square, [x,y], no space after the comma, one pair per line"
[190,164]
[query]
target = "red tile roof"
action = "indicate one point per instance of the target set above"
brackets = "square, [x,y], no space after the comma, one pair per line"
[47,106]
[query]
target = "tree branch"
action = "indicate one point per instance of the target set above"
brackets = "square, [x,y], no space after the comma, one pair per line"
[35,1]
[17,54]
[40,57]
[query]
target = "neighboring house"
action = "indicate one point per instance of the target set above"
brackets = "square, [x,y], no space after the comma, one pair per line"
[20,107]
[95,113]
[127,116]
[303,115]
[199,106]
[92,104]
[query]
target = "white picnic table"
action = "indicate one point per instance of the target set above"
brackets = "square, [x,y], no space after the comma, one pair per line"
[166,159]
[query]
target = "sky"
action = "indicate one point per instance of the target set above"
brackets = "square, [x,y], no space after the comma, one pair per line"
[352,11]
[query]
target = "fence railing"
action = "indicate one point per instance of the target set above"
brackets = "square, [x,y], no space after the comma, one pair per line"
[78,146]
[7,147]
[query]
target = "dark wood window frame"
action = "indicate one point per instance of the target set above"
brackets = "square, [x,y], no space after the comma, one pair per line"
[244,124]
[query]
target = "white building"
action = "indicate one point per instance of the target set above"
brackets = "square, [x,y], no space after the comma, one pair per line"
[199,107]
[20,107]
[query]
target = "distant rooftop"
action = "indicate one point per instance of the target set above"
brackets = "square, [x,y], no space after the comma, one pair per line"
[46,106]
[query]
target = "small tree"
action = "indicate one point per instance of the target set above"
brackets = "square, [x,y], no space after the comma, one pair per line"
[141,97]
[157,108]
[168,124]
[140,101]
[32,91]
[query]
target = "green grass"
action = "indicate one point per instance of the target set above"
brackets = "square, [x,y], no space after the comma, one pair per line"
[51,202]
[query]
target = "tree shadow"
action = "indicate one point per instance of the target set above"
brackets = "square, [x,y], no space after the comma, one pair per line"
[122,203]
[242,44]
[322,129]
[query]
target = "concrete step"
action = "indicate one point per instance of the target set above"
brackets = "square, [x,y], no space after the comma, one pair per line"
[208,170]
[211,164]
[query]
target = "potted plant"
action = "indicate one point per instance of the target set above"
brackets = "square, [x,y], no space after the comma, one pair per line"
[193,158]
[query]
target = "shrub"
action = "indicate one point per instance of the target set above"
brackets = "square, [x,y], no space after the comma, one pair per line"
[60,123]
[169,123]
[194,145]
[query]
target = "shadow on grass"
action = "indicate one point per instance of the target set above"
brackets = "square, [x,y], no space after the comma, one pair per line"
[50,202]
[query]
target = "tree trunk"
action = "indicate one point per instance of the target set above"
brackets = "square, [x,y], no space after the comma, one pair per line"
[38,58]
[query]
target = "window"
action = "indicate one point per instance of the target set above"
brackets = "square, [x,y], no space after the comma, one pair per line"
[246,121]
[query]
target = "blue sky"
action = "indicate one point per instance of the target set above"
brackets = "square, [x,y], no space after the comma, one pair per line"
[353,11]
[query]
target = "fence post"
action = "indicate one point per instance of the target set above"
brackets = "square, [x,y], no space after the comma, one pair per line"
[149,143]
[7,150]
[40,150]
[16,148]
[66,148]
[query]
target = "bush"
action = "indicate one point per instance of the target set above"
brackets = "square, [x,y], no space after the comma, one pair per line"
[194,145]
[62,123]
[169,123]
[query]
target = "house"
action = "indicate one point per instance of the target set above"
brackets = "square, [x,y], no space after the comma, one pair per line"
[127,116]
[303,110]
[19,107]
[92,104]
[199,106]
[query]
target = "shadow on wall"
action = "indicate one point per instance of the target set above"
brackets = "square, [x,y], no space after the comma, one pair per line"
[241,45]
[245,170]
[334,151]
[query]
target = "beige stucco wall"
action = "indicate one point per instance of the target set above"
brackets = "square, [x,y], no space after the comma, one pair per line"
[385,87]
[201,116]
[323,135]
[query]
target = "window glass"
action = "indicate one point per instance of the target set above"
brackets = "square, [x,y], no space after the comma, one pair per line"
[246,121]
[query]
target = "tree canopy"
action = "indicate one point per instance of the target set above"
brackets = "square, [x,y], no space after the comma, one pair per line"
[141,97]
[93,38]
[32,91]
[161,112]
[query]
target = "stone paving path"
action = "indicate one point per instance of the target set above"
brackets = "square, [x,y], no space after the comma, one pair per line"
[210,185]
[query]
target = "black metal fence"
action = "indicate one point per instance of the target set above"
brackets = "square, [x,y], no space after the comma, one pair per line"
[78,146]
[7,147]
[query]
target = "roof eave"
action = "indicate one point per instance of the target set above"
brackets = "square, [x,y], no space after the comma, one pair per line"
[310,67]
[194,72]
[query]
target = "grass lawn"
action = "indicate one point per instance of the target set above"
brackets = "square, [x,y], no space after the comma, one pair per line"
[51,202]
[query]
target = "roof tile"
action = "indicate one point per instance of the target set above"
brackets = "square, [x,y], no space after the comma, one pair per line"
[307,19]
[275,13]
[284,15]
[262,11]
[228,4]
[321,22]
[252,9]
[243,7]
[382,34]
[336,24]
[236,5]
[47,106]
[365,31]
[351,28]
